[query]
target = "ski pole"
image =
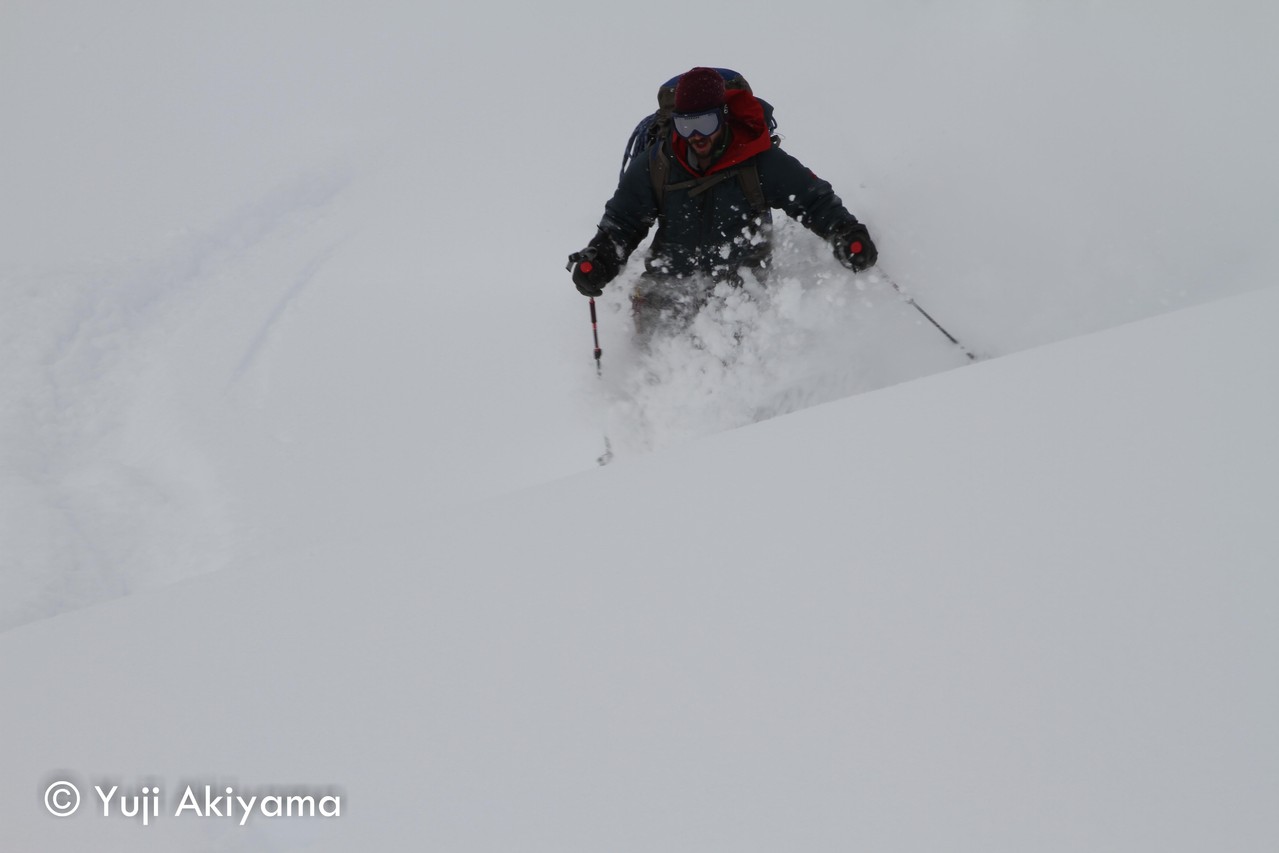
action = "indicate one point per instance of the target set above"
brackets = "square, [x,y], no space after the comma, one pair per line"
[607,456]
[595,330]
[910,301]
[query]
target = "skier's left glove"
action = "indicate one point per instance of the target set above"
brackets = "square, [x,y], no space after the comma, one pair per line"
[854,248]
[594,266]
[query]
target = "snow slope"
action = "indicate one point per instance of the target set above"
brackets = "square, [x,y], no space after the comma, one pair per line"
[283,317]
[272,271]
[1022,606]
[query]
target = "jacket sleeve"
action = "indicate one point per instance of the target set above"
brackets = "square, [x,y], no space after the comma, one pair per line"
[791,186]
[633,208]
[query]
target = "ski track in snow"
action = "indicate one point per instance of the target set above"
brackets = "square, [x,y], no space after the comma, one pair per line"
[104,491]
[270,323]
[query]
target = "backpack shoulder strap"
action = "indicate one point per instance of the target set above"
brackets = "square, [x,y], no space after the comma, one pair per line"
[752,188]
[659,168]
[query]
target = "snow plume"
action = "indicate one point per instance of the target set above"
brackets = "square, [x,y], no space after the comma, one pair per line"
[812,334]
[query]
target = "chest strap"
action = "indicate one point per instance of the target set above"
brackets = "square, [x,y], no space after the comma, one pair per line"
[747,176]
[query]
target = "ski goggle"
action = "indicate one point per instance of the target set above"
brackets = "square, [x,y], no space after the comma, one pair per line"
[704,124]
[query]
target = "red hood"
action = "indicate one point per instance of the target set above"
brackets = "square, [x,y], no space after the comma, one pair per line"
[750,133]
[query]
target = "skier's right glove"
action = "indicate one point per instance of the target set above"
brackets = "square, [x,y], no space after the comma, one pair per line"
[594,266]
[853,247]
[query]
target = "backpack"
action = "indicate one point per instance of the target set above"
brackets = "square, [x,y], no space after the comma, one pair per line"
[653,130]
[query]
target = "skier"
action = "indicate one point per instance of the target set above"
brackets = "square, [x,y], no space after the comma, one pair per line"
[710,186]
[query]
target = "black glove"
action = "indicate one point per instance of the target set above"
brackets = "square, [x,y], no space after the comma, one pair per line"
[594,266]
[853,247]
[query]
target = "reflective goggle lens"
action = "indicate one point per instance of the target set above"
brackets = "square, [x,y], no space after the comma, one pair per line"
[698,123]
